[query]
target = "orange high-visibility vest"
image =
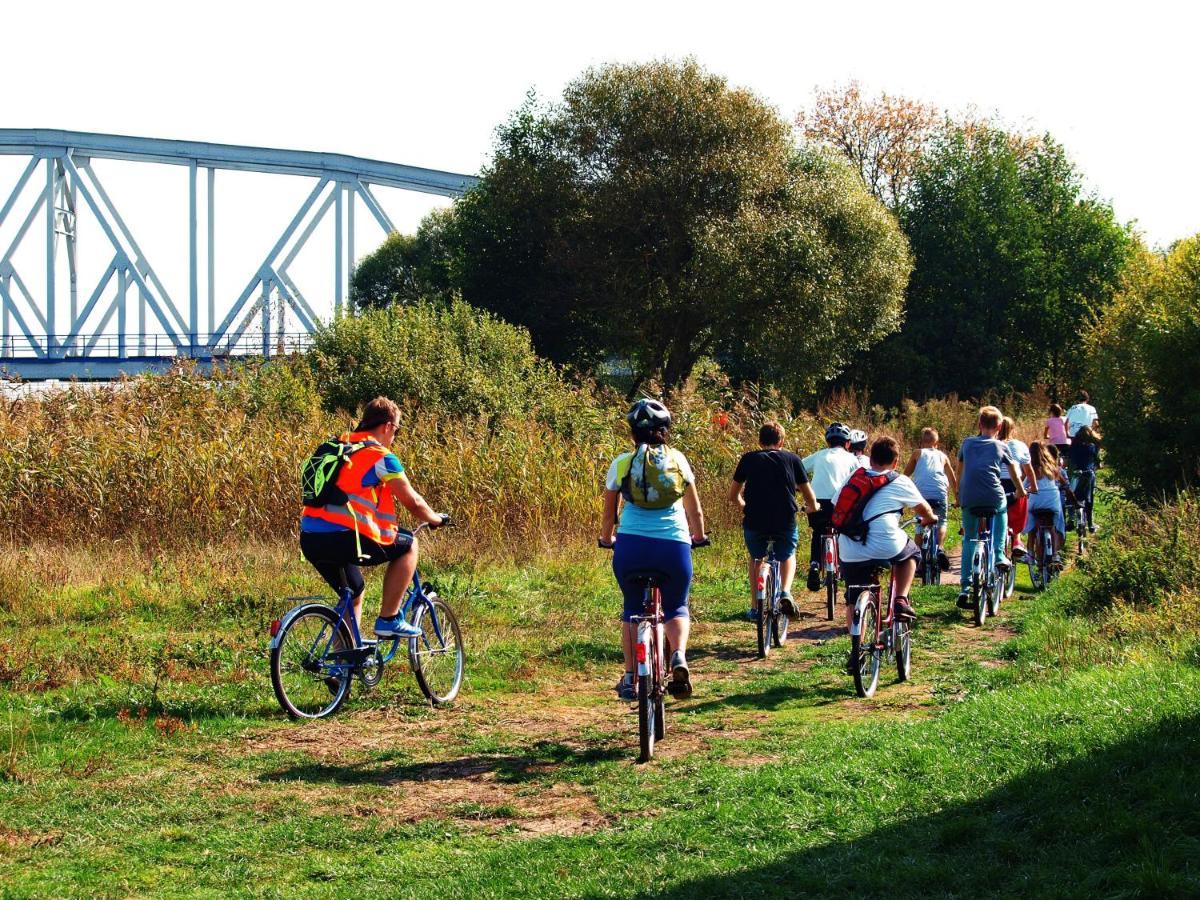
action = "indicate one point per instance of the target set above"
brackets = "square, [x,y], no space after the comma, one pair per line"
[369,511]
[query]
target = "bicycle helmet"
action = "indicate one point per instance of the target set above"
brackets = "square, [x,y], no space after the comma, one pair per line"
[649,414]
[858,439]
[837,433]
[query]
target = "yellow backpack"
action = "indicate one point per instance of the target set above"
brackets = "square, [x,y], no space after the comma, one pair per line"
[652,476]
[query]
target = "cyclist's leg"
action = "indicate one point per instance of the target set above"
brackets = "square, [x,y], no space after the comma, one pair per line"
[628,554]
[970,527]
[756,546]
[676,561]
[999,530]
[785,551]
[402,565]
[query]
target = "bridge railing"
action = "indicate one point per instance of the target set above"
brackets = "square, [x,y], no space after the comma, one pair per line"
[148,346]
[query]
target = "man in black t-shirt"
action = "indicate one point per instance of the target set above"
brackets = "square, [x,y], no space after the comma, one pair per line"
[764,487]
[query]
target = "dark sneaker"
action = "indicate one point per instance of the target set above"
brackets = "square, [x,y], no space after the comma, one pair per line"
[904,610]
[626,689]
[1018,554]
[788,605]
[814,578]
[752,615]
[943,561]
[964,600]
[681,677]
[396,627]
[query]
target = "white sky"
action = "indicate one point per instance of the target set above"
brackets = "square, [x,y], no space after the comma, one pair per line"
[426,84]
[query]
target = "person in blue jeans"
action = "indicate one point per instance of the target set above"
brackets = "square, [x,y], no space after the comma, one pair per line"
[983,460]
[656,530]
[764,488]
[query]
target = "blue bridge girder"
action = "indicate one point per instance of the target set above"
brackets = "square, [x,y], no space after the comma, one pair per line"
[32,341]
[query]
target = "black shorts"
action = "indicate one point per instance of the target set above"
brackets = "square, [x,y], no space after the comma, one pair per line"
[333,553]
[867,571]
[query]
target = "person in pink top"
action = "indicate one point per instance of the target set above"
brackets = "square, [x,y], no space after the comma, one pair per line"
[1056,429]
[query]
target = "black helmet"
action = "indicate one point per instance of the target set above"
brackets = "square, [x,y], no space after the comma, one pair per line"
[837,433]
[649,414]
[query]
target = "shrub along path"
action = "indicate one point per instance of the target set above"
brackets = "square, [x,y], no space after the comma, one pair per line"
[163,768]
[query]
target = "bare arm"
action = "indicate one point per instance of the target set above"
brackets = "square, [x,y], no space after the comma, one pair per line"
[695,515]
[1015,474]
[925,513]
[735,494]
[911,465]
[810,498]
[951,476]
[407,497]
[1027,468]
[608,521]
[958,473]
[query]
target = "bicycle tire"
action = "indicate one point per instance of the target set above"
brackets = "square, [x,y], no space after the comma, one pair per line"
[779,629]
[645,718]
[438,657]
[660,717]
[903,644]
[830,594]
[995,592]
[302,691]
[866,664]
[763,623]
[1010,574]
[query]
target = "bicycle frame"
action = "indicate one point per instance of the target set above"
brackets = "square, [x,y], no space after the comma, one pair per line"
[831,563]
[887,616]
[648,648]
[760,585]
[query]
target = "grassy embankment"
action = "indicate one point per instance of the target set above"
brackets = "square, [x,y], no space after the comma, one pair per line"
[1050,753]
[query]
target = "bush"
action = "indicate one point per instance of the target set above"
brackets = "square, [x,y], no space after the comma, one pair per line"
[451,361]
[1146,372]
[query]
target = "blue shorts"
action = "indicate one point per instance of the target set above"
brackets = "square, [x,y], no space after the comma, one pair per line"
[785,542]
[672,558]
[938,504]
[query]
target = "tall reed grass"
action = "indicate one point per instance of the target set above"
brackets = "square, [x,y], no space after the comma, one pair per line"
[184,458]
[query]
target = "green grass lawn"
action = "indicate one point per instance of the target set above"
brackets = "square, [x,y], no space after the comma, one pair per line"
[141,751]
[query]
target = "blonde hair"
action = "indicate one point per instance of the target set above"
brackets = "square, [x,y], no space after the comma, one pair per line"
[1045,465]
[990,417]
[1006,427]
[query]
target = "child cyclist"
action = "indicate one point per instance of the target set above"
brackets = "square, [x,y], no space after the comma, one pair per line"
[1019,452]
[1049,478]
[858,446]
[765,484]
[828,470]
[1084,456]
[982,461]
[930,470]
[886,544]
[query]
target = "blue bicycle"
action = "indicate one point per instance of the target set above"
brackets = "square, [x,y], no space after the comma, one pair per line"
[317,651]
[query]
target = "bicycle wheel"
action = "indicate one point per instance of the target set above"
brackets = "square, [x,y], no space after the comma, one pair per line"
[646,729]
[903,645]
[438,655]
[830,594]
[979,585]
[764,615]
[865,653]
[995,591]
[303,677]
[1035,570]
[1010,574]
[660,716]
[779,628]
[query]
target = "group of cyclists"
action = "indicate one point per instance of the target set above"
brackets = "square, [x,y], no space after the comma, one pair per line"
[652,515]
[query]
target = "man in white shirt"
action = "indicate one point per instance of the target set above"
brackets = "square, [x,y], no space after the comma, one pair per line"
[827,471]
[887,544]
[1081,414]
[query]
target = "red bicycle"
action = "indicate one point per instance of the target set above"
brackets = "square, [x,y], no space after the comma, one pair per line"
[874,636]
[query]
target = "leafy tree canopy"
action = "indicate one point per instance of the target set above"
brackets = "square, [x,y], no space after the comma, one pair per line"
[406,268]
[1013,261]
[658,215]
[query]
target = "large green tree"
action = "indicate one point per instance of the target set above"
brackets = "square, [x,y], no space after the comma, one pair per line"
[657,215]
[1145,371]
[1013,261]
[406,268]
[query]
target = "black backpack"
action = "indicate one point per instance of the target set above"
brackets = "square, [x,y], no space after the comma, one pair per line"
[318,475]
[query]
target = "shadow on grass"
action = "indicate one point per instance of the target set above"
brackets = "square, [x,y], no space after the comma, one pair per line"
[542,758]
[1123,821]
[771,698]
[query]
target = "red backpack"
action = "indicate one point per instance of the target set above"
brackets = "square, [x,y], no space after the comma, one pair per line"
[847,515]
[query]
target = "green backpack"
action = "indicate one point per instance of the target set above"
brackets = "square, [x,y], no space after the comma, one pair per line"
[652,477]
[318,475]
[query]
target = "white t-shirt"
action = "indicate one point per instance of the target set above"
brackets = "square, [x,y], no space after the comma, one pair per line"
[828,470]
[885,537]
[1078,416]
[864,461]
[669,524]
[929,474]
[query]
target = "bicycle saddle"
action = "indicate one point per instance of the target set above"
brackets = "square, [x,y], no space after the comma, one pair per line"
[647,576]
[1044,516]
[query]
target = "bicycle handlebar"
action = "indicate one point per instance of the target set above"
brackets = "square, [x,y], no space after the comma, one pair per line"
[446,522]
[696,545]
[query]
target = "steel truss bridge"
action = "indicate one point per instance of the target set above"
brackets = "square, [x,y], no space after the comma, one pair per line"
[128,321]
